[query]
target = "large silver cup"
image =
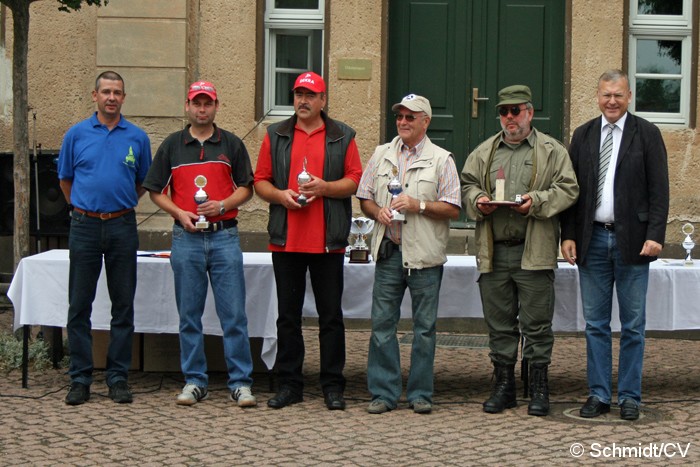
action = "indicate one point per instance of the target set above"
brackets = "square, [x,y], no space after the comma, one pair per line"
[200,197]
[303,178]
[688,244]
[360,227]
[394,187]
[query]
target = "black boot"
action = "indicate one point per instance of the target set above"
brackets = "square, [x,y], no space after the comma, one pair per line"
[503,393]
[539,390]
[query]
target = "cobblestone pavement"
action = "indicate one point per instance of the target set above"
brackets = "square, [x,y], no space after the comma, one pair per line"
[39,429]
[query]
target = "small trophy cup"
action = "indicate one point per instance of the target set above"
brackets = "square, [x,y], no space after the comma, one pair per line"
[394,188]
[360,227]
[688,243]
[302,179]
[200,197]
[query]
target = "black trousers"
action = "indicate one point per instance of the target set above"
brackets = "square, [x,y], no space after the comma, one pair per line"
[326,271]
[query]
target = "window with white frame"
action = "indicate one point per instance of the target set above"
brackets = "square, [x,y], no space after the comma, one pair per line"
[293,44]
[660,45]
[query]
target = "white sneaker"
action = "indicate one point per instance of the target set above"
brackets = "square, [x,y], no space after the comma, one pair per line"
[244,397]
[191,394]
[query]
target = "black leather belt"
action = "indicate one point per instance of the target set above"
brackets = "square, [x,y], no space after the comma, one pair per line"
[216,226]
[609,226]
[511,242]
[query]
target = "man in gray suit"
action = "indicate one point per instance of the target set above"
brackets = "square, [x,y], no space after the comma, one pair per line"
[613,232]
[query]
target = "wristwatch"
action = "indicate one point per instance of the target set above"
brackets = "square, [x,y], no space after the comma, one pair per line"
[422,207]
[222,209]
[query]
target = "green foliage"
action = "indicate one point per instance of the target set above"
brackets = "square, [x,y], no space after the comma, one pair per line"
[68,5]
[11,353]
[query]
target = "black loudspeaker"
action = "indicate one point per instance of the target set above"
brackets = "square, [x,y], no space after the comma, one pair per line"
[53,213]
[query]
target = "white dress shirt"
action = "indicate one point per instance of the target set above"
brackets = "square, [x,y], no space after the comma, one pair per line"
[606,211]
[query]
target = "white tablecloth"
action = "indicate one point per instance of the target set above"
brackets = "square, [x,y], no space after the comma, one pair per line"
[39,292]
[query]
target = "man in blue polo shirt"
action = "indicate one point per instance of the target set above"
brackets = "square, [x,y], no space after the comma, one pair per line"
[102,163]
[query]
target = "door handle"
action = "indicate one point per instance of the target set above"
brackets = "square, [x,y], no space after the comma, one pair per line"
[475,102]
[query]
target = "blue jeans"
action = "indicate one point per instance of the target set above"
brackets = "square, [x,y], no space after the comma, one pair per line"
[89,242]
[195,256]
[326,272]
[384,361]
[604,268]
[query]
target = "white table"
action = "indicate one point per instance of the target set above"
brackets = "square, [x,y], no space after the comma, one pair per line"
[39,292]
[673,299]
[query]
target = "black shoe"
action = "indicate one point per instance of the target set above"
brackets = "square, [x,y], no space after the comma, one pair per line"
[119,392]
[503,393]
[78,393]
[593,408]
[283,398]
[334,400]
[539,390]
[629,410]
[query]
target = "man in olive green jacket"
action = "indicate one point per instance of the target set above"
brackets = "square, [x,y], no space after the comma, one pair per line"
[517,240]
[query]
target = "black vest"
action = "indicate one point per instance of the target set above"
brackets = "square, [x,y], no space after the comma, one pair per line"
[338,212]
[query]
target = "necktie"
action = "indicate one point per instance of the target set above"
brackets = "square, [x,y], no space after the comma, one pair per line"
[605,155]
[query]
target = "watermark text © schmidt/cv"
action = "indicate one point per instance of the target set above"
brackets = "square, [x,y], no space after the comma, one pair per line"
[640,450]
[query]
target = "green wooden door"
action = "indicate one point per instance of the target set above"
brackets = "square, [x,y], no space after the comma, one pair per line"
[459,53]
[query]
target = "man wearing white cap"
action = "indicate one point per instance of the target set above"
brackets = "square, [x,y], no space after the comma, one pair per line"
[409,253]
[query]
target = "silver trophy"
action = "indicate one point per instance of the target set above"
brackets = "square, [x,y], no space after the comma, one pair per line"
[688,243]
[200,197]
[395,189]
[303,178]
[360,227]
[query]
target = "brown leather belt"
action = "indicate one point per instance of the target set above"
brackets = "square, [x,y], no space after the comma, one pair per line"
[103,215]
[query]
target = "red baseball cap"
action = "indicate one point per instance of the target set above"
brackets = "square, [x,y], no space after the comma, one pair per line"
[310,81]
[201,87]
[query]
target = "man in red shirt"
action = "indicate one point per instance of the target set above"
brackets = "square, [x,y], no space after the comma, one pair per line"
[309,235]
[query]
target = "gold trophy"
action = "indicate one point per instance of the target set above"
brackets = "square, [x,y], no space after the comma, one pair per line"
[360,227]
[688,244]
[200,197]
[303,178]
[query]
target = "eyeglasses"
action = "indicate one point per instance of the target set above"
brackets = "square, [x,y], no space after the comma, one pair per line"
[197,87]
[409,117]
[514,110]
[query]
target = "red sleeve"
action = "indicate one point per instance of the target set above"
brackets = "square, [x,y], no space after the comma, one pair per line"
[263,169]
[353,164]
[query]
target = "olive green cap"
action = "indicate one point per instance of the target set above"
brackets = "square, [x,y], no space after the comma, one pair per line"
[517,94]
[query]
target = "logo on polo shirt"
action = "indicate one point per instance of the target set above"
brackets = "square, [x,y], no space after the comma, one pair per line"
[130,159]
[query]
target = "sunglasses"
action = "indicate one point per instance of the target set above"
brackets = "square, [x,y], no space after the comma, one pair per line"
[409,117]
[514,110]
